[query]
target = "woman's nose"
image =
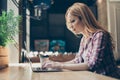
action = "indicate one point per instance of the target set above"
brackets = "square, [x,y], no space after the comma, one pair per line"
[72,27]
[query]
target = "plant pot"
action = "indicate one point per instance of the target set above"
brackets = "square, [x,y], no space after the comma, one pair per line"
[3,57]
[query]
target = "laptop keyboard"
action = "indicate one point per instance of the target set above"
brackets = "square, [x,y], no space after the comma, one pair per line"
[39,69]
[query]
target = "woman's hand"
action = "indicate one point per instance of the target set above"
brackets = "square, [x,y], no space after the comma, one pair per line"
[51,64]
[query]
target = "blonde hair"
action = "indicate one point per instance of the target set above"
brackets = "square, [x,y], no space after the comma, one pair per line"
[86,16]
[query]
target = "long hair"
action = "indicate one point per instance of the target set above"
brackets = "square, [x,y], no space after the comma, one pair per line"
[86,16]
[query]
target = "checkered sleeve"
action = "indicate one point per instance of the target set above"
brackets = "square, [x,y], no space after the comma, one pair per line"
[78,58]
[97,50]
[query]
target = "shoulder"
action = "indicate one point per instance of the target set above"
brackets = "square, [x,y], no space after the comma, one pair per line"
[98,34]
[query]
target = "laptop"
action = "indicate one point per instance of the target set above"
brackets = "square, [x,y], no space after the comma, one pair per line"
[38,68]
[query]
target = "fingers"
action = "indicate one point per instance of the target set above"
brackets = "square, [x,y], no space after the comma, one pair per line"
[47,64]
[51,64]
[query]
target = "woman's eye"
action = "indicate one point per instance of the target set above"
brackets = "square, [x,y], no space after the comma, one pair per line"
[72,21]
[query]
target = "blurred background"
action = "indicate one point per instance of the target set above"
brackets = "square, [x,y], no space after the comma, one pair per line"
[43,25]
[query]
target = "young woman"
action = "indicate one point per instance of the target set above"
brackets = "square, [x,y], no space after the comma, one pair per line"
[96,46]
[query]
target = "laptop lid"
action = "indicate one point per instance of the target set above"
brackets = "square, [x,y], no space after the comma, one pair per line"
[38,68]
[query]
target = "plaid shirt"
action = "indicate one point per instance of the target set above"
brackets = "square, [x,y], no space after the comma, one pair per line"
[97,52]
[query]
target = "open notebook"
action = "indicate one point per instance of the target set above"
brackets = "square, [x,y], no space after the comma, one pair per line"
[38,68]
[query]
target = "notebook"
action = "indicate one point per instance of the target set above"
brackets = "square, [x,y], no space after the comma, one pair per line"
[39,69]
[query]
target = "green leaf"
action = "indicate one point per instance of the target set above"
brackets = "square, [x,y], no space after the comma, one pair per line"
[9,25]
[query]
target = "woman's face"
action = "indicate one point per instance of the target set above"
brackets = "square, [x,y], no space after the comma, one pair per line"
[74,24]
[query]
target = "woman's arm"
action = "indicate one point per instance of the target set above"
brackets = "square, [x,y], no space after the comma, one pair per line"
[62,65]
[78,66]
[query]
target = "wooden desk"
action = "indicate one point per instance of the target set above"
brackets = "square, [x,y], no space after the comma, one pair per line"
[23,72]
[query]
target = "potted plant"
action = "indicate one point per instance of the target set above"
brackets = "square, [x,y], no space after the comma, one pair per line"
[8,29]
